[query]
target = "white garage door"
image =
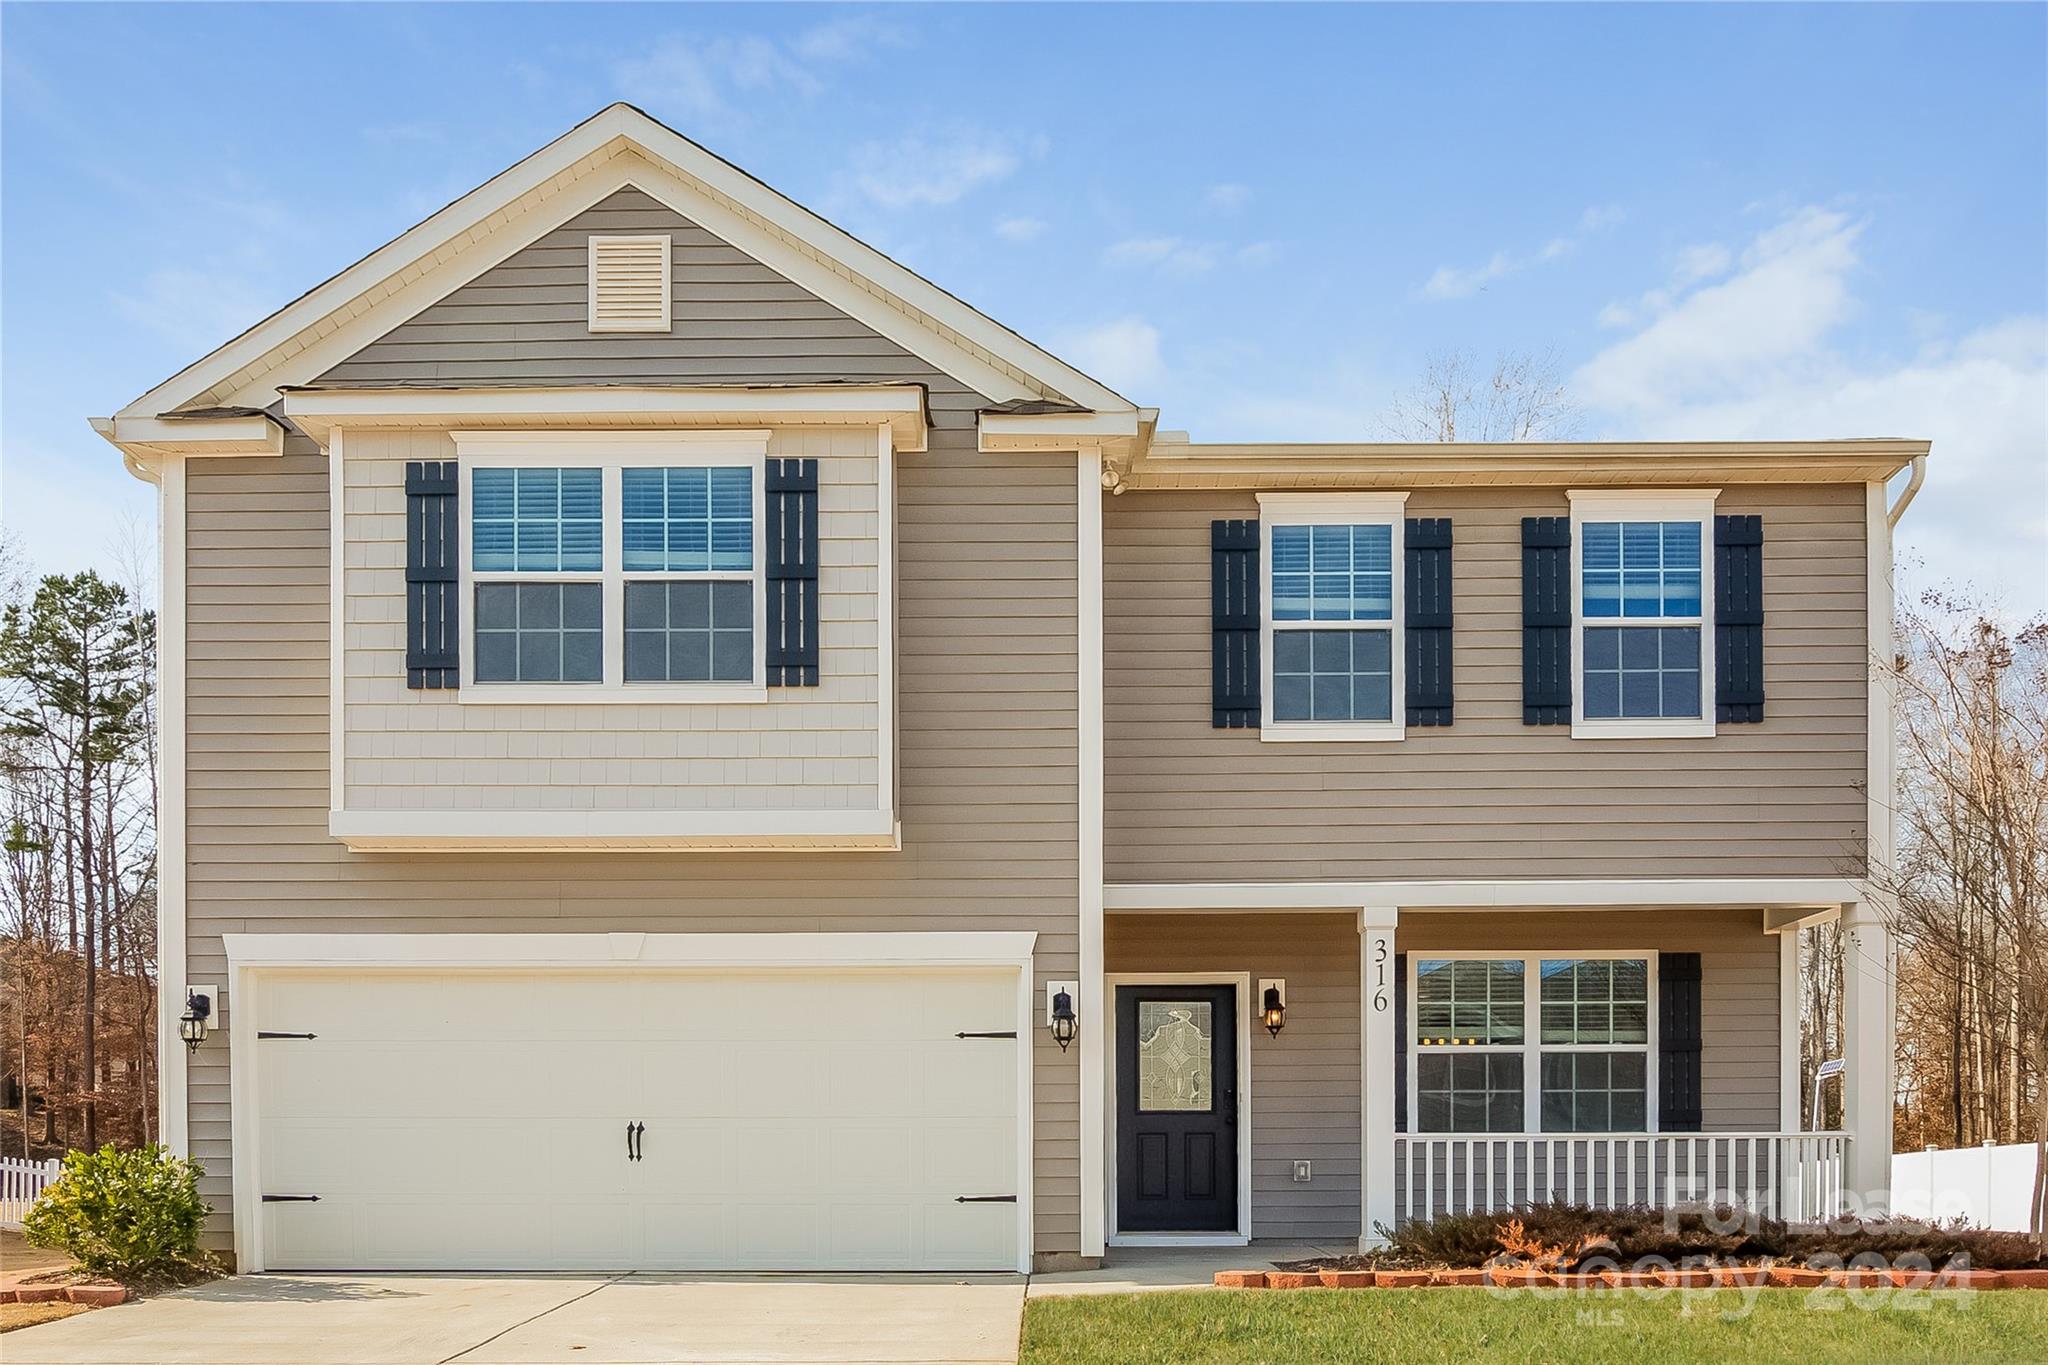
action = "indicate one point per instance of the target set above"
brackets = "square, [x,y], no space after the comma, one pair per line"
[785,1120]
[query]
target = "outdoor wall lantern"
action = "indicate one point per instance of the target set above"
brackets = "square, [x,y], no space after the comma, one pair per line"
[198,1016]
[1059,1013]
[1273,1006]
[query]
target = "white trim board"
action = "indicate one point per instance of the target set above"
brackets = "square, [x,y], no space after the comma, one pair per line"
[249,954]
[617,146]
[172,950]
[1088,496]
[1106,1094]
[612,408]
[1587,894]
[541,830]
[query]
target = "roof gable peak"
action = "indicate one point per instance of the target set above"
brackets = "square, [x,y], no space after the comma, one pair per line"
[619,145]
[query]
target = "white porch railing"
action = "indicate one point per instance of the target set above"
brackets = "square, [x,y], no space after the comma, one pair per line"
[20,1183]
[1793,1176]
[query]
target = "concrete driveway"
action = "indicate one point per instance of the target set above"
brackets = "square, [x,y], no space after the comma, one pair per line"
[501,1319]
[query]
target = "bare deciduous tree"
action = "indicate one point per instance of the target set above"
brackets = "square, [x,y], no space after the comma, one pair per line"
[1970,879]
[1522,399]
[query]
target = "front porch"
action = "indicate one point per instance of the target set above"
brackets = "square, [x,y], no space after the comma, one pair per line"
[1450,1059]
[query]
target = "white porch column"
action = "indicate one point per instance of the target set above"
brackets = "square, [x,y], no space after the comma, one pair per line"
[1868,1047]
[1377,1077]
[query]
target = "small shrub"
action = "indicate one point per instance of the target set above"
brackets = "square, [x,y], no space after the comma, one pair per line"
[134,1215]
[1565,1235]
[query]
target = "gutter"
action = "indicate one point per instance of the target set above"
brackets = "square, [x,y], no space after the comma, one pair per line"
[1912,491]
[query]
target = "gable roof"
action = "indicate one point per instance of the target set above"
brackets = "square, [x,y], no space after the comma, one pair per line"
[620,145]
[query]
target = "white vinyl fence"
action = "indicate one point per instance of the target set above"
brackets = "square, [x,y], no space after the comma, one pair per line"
[20,1183]
[1988,1185]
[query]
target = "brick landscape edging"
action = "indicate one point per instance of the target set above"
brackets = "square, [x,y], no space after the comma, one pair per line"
[89,1295]
[1676,1277]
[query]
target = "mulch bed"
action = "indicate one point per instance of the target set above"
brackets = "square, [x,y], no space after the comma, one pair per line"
[1361,1272]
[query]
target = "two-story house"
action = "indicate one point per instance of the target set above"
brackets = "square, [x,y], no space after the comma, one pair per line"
[687,746]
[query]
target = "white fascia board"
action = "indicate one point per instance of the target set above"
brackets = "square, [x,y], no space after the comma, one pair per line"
[193,435]
[484,951]
[1066,431]
[620,830]
[617,147]
[320,411]
[1563,893]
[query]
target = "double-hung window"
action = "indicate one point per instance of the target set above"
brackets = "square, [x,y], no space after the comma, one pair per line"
[1510,1043]
[613,566]
[1643,593]
[1332,655]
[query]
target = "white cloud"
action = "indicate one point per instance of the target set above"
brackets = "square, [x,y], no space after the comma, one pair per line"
[1227,197]
[1122,354]
[1173,255]
[1751,357]
[852,39]
[1258,253]
[932,169]
[714,80]
[1462,282]
[1792,289]
[1020,229]
[701,79]
[1451,282]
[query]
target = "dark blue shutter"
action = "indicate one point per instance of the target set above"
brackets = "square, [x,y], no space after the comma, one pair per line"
[1234,624]
[1427,571]
[1546,620]
[1738,620]
[1400,1042]
[791,533]
[1678,1042]
[433,554]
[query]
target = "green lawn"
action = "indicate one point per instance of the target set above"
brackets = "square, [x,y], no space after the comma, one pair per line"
[1296,1327]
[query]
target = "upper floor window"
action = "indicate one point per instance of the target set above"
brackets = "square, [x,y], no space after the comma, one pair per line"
[626,565]
[1480,1068]
[1642,588]
[1332,585]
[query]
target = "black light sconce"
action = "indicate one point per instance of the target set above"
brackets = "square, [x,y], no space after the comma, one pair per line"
[1273,1006]
[1059,1013]
[196,1020]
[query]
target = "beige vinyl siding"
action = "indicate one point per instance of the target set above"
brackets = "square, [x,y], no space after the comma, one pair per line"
[1304,1096]
[1305,1083]
[732,320]
[1738,984]
[805,748]
[1489,796]
[986,656]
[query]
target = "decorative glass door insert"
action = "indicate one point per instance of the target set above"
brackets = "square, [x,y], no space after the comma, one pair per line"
[1176,1046]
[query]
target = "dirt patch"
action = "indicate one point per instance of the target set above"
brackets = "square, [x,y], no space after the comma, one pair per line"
[13,1315]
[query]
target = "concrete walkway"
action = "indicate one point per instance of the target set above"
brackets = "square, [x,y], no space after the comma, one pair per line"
[605,1319]
[503,1319]
[1139,1270]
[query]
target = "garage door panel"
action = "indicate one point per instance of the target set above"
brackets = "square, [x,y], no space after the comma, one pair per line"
[780,1080]
[793,1120]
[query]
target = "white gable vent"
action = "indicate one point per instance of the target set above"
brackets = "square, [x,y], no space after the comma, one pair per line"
[629,284]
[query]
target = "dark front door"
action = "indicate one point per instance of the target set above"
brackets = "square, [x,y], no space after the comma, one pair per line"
[1176,1117]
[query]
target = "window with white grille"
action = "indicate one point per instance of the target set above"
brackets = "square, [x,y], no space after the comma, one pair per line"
[629,278]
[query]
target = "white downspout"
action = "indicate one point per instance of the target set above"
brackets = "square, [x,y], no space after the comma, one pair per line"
[1912,490]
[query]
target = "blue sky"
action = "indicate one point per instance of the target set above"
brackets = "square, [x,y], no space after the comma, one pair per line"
[1725,221]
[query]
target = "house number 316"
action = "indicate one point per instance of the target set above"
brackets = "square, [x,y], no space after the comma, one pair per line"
[1380,1002]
